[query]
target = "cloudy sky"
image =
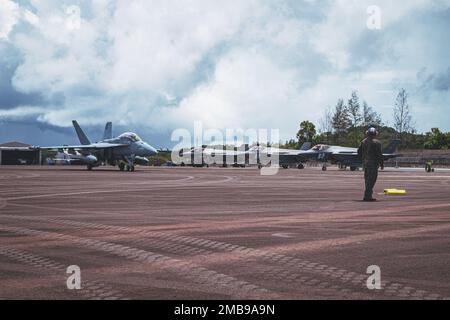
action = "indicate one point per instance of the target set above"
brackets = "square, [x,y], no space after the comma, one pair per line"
[156,65]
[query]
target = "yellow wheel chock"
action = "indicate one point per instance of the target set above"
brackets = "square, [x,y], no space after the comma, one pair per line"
[394,192]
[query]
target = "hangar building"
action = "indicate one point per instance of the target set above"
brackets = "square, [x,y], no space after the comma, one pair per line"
[18,153]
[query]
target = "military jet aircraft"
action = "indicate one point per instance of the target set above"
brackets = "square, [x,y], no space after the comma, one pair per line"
[343,156]
[285,157]
[72,157]
[210,155]
[125,150]
[261,155]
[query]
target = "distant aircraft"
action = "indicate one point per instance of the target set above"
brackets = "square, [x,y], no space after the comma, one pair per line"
[286,157]
[125,150]
[72,157]
[343,156]
[206,155]
[209,155]
[263,155]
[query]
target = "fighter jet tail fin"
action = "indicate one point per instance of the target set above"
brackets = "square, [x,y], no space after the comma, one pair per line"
[306,146]
[81,135]
[392,147]
[108,131]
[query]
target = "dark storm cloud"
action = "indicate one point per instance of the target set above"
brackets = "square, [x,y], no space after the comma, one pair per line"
[30,131]
[438,81]
[9,96]
[35,133]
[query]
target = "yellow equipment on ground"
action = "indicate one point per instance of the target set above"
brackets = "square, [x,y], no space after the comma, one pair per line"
[394,192]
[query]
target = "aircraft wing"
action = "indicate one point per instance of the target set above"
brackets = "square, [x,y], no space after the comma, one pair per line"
[92,146]
[345,156]
[354,158]
[296,156]
[387,156]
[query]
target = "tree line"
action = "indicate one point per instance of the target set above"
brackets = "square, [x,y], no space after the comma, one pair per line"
[346,124]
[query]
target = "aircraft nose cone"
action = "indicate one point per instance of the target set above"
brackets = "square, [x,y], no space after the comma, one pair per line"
[150,150]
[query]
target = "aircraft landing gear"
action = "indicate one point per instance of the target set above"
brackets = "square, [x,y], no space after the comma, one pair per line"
[353,168]
[126,167]
[89,167]
[301,166]
[429,167]
[324,167]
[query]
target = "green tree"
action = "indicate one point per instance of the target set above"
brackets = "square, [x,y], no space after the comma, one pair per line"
[326,126]
[355,117]
[290,144]
[402,116]
[370,117]
[435,139]
[306,133]
[340,120]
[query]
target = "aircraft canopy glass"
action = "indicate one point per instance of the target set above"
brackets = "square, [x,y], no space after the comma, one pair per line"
[321,147]
[130,136]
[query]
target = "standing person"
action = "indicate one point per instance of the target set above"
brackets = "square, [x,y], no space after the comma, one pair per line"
[372,158]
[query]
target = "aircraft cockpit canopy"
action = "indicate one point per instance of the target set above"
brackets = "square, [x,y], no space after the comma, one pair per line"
[130,136]
[321,147]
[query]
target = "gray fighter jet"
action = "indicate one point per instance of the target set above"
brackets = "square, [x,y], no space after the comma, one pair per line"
[259,154]
[285,157]
[343,156]
[125,150]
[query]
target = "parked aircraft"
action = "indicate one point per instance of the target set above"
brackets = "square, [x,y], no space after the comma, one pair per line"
[344,156]
[285,157]
[126,150]
[261,155]
[72,157]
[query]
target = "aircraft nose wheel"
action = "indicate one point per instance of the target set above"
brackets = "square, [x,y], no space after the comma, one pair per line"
[324,168]
[301,166]
[121,166]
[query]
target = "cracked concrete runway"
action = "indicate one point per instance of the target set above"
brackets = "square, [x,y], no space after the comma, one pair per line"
[215,233]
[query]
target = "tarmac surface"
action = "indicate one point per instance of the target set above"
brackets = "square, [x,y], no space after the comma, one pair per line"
[215,233]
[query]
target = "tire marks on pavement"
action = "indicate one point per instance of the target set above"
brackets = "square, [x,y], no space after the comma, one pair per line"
[288,269]
[90,289]
[221,283]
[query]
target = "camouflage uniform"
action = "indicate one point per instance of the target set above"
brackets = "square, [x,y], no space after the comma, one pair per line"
[372,158]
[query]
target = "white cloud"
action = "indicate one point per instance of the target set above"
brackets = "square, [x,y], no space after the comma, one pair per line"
[165,63]
[23,111]
[159,42]
[346,20]
[131,52]
[247,90]
[9,15]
